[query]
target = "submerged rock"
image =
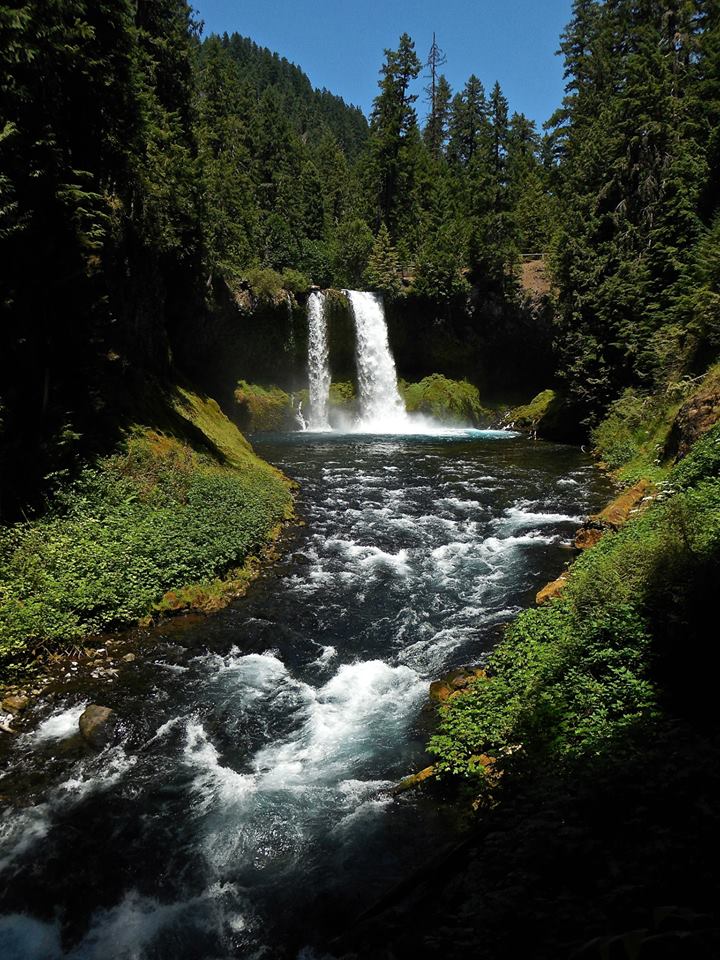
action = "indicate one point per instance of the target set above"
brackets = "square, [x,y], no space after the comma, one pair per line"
[98,725]
[414,780]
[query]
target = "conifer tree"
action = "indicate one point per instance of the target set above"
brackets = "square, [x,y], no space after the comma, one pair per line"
[383,269]
[394,136]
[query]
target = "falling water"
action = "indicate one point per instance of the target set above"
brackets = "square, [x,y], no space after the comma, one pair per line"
[381,407]
[318,363]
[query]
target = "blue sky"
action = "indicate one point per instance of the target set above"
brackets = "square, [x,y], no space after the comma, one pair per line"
[340,43]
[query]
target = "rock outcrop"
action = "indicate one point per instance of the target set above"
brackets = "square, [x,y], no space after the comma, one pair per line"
[696,416]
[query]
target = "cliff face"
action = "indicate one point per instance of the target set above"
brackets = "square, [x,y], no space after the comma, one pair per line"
[502,346]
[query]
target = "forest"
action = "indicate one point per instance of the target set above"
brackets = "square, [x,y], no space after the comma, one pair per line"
[171,200]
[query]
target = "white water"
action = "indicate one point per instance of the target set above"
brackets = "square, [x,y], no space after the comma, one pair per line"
[381,407]
[318,363]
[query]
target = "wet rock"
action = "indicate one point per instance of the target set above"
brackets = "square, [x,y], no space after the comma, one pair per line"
[440,691]
[454,682]
[551,590]
[626,504]
[98,725]
[15,703]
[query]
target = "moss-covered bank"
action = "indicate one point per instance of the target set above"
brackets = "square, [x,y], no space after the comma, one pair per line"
[170,518]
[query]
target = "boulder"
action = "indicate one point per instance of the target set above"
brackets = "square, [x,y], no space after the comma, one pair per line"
[98,726]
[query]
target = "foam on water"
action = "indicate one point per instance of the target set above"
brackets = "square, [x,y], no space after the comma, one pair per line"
[258,756]
[59,725]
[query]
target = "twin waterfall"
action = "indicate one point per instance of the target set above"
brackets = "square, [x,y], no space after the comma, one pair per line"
[381,407]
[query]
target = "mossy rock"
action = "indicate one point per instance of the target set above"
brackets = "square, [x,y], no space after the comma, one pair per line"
[454,402]
[548,416]
[264,409]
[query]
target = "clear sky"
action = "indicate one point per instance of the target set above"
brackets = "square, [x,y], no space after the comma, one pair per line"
[340,43]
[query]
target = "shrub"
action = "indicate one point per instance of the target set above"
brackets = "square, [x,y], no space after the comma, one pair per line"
[450,401]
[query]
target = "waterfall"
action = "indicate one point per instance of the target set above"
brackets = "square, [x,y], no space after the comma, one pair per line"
[318,363]
[381,407]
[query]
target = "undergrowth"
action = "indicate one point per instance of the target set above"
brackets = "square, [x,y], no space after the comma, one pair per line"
[156,516]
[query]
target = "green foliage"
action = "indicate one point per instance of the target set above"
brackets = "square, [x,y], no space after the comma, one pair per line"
[154,517]
[265,283]
[632,437]
[383,269]
[575,675]
[633,140]
[449,401]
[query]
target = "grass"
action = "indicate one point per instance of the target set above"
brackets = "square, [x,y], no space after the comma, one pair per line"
[170,518]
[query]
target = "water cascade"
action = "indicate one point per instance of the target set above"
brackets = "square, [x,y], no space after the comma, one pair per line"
[381,407]
[318,363]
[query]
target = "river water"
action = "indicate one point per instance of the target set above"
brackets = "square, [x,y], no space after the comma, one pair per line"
[246,812]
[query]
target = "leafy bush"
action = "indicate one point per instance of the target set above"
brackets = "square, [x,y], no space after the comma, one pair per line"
[295,282]
[450,401]
[265,283]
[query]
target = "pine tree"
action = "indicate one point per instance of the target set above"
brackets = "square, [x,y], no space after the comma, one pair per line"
[394,136]
[469,124]
[383,269]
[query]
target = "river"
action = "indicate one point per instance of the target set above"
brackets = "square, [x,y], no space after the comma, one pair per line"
[246,811]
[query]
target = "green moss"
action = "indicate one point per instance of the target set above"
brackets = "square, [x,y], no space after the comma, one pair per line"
[530,414]
[168,509]
[449,401]
[342,395]
[264,408]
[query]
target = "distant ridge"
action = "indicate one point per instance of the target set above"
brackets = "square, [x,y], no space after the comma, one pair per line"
[311,110]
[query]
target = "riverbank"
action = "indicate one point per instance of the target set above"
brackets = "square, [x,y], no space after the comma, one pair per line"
[176,516]
[589,745]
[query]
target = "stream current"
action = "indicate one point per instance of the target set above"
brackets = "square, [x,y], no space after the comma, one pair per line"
[246,811]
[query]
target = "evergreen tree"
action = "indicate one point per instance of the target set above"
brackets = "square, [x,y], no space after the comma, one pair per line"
[383,269]
[469,124]
[394,142]
[438,95]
